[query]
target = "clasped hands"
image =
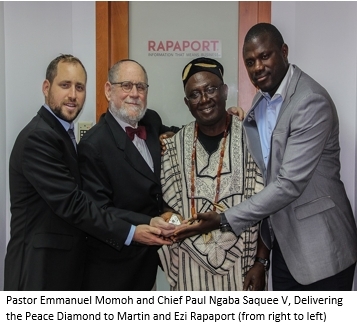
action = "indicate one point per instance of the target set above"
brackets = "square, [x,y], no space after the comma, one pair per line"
[160,232]
[200,223]
[157,233]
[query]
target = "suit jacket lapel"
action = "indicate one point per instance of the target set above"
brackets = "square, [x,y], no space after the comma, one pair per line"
[252,137]
[56,126]
[152,143]
[290,92]
[131,153]
[70,157]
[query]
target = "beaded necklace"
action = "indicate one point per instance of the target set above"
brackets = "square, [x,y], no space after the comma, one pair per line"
[219,169]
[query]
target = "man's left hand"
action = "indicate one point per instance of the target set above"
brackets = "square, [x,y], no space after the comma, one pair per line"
[167,229]
[255,279]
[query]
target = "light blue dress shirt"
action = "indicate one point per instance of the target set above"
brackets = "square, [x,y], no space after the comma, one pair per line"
[267,111]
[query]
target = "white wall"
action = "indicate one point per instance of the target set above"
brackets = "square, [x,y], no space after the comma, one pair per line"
[83,46]
[31,35]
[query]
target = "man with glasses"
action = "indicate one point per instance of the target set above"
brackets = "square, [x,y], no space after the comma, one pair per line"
[207,167]
[51,216]
[120,162]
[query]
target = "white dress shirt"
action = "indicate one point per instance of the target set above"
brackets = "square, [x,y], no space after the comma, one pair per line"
[139,143]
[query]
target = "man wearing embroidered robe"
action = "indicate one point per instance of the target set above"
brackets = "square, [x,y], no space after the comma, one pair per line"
[207,167]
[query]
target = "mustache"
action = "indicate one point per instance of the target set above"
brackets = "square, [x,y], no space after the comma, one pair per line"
[125,115]
[70,102]
[260,75]
[211,106]
[135,102]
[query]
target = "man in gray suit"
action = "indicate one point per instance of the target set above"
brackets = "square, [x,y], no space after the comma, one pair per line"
[292,133]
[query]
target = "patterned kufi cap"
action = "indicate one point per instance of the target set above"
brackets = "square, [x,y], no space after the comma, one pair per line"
[202,64]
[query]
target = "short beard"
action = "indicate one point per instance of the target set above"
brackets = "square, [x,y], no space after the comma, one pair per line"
[57,109]
[123,115]
[58,112]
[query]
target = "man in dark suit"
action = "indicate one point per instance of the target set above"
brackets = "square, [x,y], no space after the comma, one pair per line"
[292,133]
[121,170]
[51,216]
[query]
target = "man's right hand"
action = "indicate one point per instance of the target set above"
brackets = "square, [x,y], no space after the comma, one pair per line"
[203,223]
[237,111]
[149,235]
[167,134]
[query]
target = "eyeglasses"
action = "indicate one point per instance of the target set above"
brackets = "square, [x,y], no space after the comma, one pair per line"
[127,86]
[196,96]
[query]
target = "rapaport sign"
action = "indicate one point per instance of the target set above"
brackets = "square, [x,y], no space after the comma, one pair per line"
[185,48]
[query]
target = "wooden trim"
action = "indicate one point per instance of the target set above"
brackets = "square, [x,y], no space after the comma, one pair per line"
[112,43]
[264,12]
[250,13]
[102,57]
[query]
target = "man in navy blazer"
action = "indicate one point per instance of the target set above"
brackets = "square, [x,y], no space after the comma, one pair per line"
[51,216]
[292,133]
[120,164]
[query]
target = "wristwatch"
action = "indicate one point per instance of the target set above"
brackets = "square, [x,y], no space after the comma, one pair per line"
[265,262]
[224,226]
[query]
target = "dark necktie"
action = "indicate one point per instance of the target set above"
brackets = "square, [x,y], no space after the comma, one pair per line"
[140,132]
[71,134]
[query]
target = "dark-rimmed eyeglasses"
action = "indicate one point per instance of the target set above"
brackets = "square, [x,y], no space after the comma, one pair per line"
[127,86]
[196,96]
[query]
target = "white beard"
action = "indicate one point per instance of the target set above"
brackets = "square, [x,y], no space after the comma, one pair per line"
[123,114]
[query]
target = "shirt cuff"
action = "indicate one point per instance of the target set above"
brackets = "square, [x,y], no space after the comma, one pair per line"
[130,236]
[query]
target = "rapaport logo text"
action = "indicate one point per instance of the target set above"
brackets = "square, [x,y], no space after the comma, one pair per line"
[187,48]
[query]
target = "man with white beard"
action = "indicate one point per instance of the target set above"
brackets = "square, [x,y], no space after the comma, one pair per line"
[120,161]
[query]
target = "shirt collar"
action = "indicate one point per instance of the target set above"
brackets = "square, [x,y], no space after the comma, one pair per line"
[283,87]
[66,125]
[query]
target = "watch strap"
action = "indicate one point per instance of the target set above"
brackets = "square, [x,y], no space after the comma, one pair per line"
[265,262]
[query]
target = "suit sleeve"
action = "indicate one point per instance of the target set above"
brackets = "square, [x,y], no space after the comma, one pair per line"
[312,125]
[164,129]
[153,119]
[47,165]
[97,183]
